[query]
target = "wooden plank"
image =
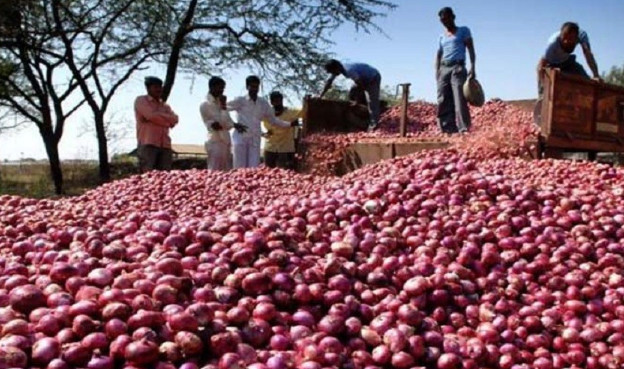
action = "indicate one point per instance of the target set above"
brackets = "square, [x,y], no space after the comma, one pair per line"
[321,115]
[581,114]
[370,153]
[584,144]
[573,107]
[406,148]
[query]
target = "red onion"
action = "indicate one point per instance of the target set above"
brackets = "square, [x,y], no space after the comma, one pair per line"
[75,354]
[26,298]
[101,362]
[141,352]
[44,350]
[189,343]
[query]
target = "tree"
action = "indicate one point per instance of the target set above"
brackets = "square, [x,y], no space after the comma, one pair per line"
[286,41]
[104,42]
[30,85]
[615,75]
[100,44]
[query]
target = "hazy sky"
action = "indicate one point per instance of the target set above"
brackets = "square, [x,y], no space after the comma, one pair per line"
[509,37]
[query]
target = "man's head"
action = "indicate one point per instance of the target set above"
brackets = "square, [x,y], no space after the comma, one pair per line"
[216,86]
[334,67]
[447,17]
[253,86]
[569,36]
[277,99]
[154,85]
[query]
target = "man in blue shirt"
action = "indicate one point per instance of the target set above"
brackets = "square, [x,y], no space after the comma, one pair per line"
[365,77]
[559,51]
[450,64]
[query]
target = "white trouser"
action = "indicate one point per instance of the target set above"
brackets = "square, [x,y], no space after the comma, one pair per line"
[246,153]
[219,155]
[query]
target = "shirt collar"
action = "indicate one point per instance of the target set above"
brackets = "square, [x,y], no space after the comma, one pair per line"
[248,98]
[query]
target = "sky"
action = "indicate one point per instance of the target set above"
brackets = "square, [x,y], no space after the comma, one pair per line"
[509,38]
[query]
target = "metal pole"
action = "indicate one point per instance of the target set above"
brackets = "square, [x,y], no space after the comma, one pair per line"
[404,101]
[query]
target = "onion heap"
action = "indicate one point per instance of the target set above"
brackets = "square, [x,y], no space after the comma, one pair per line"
[498,130]
[445,259]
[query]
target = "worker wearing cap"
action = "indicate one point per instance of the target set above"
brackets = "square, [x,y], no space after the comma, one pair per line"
[251,110]
[279,148]
[451,74]
[154,119]
[218,123]
[559,53]
[365,76]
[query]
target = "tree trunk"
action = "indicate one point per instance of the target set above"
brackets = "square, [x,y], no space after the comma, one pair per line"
[102,148]
[176,49]
[51,146]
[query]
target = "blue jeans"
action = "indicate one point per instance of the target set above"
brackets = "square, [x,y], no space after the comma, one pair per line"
[453,113]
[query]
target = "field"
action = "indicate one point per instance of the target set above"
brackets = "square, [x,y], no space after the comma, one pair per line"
[32,179]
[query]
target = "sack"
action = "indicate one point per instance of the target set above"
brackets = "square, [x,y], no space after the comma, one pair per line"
[473,92]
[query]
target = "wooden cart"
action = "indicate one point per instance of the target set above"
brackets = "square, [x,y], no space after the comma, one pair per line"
[322,115]
[578,114]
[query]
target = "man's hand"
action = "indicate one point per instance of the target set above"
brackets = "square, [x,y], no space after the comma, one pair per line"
[240,128]
[472,74]
[294,123]
[216,126]
[598,79]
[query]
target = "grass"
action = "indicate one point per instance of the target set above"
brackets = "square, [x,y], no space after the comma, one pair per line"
[33,180]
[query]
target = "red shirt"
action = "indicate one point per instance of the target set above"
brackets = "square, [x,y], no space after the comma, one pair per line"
[154,118]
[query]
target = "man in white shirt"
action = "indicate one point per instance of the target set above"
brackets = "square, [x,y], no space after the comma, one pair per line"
[252,110]
[218,123]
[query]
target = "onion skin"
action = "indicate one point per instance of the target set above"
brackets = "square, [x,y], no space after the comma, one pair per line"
[26,298]
[44,350]
[142,352]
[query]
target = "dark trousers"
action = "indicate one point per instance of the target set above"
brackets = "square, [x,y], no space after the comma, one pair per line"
[373,90]
[154,158]
[284,160]
[453,113]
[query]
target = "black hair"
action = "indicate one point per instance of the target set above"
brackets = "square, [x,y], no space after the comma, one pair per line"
[446,10]
[570,26]
[276,95]
[252,79]
[215,81]
[150,80]
[333,64]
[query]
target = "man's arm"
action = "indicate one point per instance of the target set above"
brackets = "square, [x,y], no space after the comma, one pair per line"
[541,67]
[589,56]
[234,105]
[438,59]
[226,120]
[328,84]
[159,118]
[210,117]
[269,116]
[171,116]
[473,57]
